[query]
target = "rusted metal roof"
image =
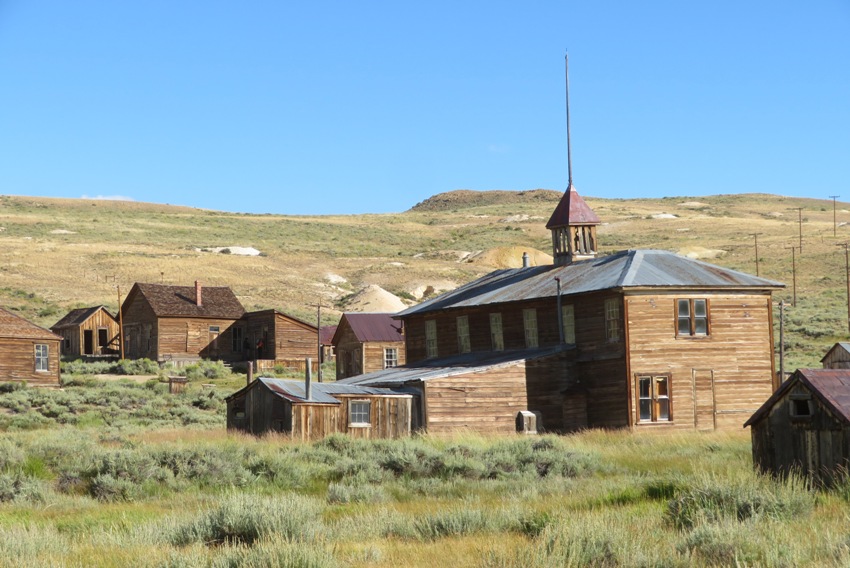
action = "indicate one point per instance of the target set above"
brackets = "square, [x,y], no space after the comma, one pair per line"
[16,327]
[179,301]
[78,317]
[374,326]
[476,362]
[830,386]
[623,270]
[326,334]
[572,210]
[321,393]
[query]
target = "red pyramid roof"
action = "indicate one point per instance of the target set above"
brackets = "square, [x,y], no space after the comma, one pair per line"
[572,210]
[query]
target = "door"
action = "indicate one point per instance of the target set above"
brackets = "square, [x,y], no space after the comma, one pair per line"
[704,405]
[215,331]
[88,342]
[102,339]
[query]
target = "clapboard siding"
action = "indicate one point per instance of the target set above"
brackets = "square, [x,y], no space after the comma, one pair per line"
[355,357]
[17,361]
[73,335]
[285,339]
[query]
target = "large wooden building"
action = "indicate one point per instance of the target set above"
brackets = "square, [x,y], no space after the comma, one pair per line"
[276,338]
[28,353]
[181,323]
[804,427]
[315,411]
[366,342]
[89,331]
[640,339]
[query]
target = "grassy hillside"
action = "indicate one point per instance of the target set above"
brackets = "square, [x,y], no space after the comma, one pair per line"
[63,253]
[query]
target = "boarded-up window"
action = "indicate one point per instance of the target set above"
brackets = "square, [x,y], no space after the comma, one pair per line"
[568,318]
[497,340]
[42,357]
[430,339]
[529,322]
[359,412]
[612,319]
[237,336]
[390,357]
[692,317]
[654,401]
[463,344]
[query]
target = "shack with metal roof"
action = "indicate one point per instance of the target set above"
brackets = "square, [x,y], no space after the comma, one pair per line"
[838,357]
[88,332]
[804,427]
[28,352]
[309,411]
[366,342]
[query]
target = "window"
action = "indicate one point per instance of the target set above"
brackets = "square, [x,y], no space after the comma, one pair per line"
[568,320]
[653,394]
[800,405]
[359,413]
[612,319]
[497,341]
[102,337]
[42,357]
[463,345]
[529,323]
[390,357]
[237,338]
[692,317]
[430,339]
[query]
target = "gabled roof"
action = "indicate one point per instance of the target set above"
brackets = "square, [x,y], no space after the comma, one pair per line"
[830,386]
[326,334]
[373,326]
[16,327]
[627,269]
[840,345]
[321,393]
[572,210]
[476,362]
[179,301]
[78,317]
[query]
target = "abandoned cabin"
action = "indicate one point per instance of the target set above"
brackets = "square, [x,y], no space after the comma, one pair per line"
[275,338]
[366,342]
[311,411]
[90,332]
[326,336]
[28,353]
[804,427]
[639,339]
[838,357]
[181,323]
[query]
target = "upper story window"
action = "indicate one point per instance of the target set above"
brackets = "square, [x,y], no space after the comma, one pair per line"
[529,322]
[390,357]
[568,320]
[692,317]
[612,319]
[42,357]
[430,339]
[463,345]
[497,340]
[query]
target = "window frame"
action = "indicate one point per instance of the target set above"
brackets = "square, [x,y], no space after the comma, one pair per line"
[390,362]
[41,357]
[795,402]
[431,347]
[529,326]
[365,410]
[613,329]
[464,345]
[568,321]
[655,399]
[237,338]
[692,318]
[497,336]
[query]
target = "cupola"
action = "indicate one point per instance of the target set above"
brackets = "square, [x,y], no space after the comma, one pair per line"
[573,225]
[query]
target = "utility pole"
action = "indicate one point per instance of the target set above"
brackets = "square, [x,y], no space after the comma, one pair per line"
[120,324]
[800,217]
[847,277]
[781,341]
[834,224]
[756,237]
[794,273]
[319,339]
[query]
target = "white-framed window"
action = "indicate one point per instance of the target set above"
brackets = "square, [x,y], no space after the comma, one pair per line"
[497,340]
[692,317]
[390,357]
[568,320]
[359,412]
[42,357]
[430,339]
[463,344]
[529,323]
[654,401]
[612,319]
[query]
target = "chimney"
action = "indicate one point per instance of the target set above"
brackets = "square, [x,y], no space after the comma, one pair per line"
[198,294]
[525,261]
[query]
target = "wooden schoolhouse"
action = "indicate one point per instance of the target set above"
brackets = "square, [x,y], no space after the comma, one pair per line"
[366,342]
[638,339]
[28,353]
[88,332]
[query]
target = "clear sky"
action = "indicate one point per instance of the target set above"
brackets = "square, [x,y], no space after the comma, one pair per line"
[320,107]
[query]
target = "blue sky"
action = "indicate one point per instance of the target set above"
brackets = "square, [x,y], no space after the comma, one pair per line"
[367,107]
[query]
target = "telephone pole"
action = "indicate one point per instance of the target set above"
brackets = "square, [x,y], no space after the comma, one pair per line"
[834,224]
[756,237]
[847,277]
[794,273]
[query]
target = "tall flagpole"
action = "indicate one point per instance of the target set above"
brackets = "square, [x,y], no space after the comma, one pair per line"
[569,156]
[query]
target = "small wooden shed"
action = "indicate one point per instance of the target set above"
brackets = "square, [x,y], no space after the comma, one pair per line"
[275,338]
[279,405]
[366,342]
[804,427]
[28,353]
[838,357]
[89,331]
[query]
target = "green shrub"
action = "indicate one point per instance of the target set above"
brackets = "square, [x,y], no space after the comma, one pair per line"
[19,487]
[205,370]
[11,387]
[343,493]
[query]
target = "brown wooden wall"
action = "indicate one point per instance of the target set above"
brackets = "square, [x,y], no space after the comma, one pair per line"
[836,358]
[737,356]
[140,330]
[284,339]
[17,361]
[349,352]
[98,320]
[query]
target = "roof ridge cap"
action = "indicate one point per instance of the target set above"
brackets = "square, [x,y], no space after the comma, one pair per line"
[635,259]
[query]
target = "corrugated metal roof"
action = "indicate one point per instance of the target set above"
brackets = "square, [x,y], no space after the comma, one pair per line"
[626,269]
[14,326]
[447,366]
[321,393]
[572,210]
[78,317]
[374,326]
[831,386]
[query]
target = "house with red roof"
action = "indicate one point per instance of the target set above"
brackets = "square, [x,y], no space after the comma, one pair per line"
[366,342]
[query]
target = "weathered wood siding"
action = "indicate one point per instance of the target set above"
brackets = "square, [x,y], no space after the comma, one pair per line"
[374,360]
[140,329]
[17,361]
[722,377]
[284,339]
[73,337]
[836,358]
[259,410]
[349,352]
[186,338]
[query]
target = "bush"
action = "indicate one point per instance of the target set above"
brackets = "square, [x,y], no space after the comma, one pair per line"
[205,370]
[18,487]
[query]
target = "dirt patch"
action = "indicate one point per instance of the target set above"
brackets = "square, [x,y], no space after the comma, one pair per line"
[133,378]
[510,257]
[466,198]
[373,298]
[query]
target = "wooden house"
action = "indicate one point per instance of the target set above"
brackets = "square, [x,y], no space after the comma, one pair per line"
[181,323]
[28,353]
[326,336]
[838,357]
[639,339]
[275,338]
[88,332]
[308,412]
[366,342]
[804,427]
